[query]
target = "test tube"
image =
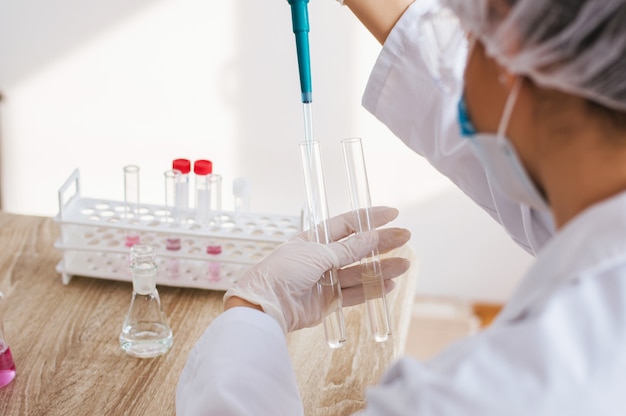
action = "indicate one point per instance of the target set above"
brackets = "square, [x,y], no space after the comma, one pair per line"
[328,287]
[182,186]
[241,194]
[172,240]
[202,170]
[371,272]
[215,197]
[209,201]
[215,207]
[131,202]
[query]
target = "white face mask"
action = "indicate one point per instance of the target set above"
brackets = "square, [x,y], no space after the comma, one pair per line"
[502,164]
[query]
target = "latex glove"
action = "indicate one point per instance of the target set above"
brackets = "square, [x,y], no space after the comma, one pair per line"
[284,284]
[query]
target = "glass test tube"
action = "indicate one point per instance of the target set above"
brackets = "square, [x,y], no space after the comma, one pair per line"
[208,204]
[214,247]
[202,170]
[131,202]
[371,272]
[215,199]
[172,240]
[328,286]
[182,186]
[241,194]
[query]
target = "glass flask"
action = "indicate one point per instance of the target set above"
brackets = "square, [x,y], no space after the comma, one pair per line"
[145,332]
[7,365]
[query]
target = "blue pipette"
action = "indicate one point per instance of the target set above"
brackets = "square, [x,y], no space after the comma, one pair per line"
[300,20]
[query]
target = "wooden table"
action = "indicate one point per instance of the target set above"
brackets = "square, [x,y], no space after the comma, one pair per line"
[64,339]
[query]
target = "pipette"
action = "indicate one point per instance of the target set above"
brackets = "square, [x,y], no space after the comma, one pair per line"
[328,286]
[300,23]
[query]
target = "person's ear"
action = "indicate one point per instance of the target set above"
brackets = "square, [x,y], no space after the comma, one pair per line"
[506,78]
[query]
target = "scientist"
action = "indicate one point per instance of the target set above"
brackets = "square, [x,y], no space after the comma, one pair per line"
[542,115]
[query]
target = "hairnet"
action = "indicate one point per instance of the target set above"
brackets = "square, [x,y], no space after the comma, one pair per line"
[575,46]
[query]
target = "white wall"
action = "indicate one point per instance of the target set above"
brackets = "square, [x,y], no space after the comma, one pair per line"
[98,85]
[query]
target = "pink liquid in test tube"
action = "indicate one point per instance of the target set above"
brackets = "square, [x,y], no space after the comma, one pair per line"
[214,266]
[7,367]
[172,202]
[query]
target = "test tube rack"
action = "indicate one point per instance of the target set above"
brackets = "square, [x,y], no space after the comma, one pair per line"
[93,231]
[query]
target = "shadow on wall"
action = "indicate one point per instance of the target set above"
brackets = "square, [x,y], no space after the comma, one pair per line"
[42,31]
[268,103]
[462,251]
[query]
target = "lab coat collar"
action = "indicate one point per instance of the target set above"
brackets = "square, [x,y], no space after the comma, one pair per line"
[592,241]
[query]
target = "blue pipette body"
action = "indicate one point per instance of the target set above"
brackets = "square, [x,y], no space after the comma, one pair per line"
[300,20]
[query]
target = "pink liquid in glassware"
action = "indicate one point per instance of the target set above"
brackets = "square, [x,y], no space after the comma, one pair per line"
[132,239]
[214,267]
[7,367]
[172,243]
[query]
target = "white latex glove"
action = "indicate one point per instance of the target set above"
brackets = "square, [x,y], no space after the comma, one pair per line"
[284,283]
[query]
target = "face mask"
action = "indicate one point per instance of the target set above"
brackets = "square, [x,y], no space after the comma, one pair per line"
[502,164]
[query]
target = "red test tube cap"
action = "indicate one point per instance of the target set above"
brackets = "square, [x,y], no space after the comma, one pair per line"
[183,165]
[202,167]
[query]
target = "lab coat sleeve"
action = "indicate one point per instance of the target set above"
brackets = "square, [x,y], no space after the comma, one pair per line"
[403,96]
[564,358]
[240,366]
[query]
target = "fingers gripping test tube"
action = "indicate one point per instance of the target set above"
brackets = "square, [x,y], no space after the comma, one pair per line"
[371,272]
[328,287]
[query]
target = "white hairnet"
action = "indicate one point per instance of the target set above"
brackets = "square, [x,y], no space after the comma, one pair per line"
[575,46]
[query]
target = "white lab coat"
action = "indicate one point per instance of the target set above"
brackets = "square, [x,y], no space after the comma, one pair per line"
[557,348]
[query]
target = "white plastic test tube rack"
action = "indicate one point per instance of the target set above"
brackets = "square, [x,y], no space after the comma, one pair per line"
[93,233]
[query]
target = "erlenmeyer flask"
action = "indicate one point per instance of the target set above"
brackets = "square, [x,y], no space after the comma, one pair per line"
[7,365]
[145,332]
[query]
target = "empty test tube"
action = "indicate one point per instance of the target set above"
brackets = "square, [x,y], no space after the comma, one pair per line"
[371,273]
[215,201]
[241,194]
[328,286]
[131,202]
[172,178]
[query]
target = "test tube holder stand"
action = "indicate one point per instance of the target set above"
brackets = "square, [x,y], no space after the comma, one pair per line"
[93,231]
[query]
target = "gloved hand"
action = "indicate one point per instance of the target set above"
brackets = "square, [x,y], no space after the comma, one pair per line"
[284,283]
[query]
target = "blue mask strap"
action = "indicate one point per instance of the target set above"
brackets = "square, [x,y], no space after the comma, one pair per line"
[465,123]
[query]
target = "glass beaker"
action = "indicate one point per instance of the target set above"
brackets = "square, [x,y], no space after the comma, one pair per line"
[7,365]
